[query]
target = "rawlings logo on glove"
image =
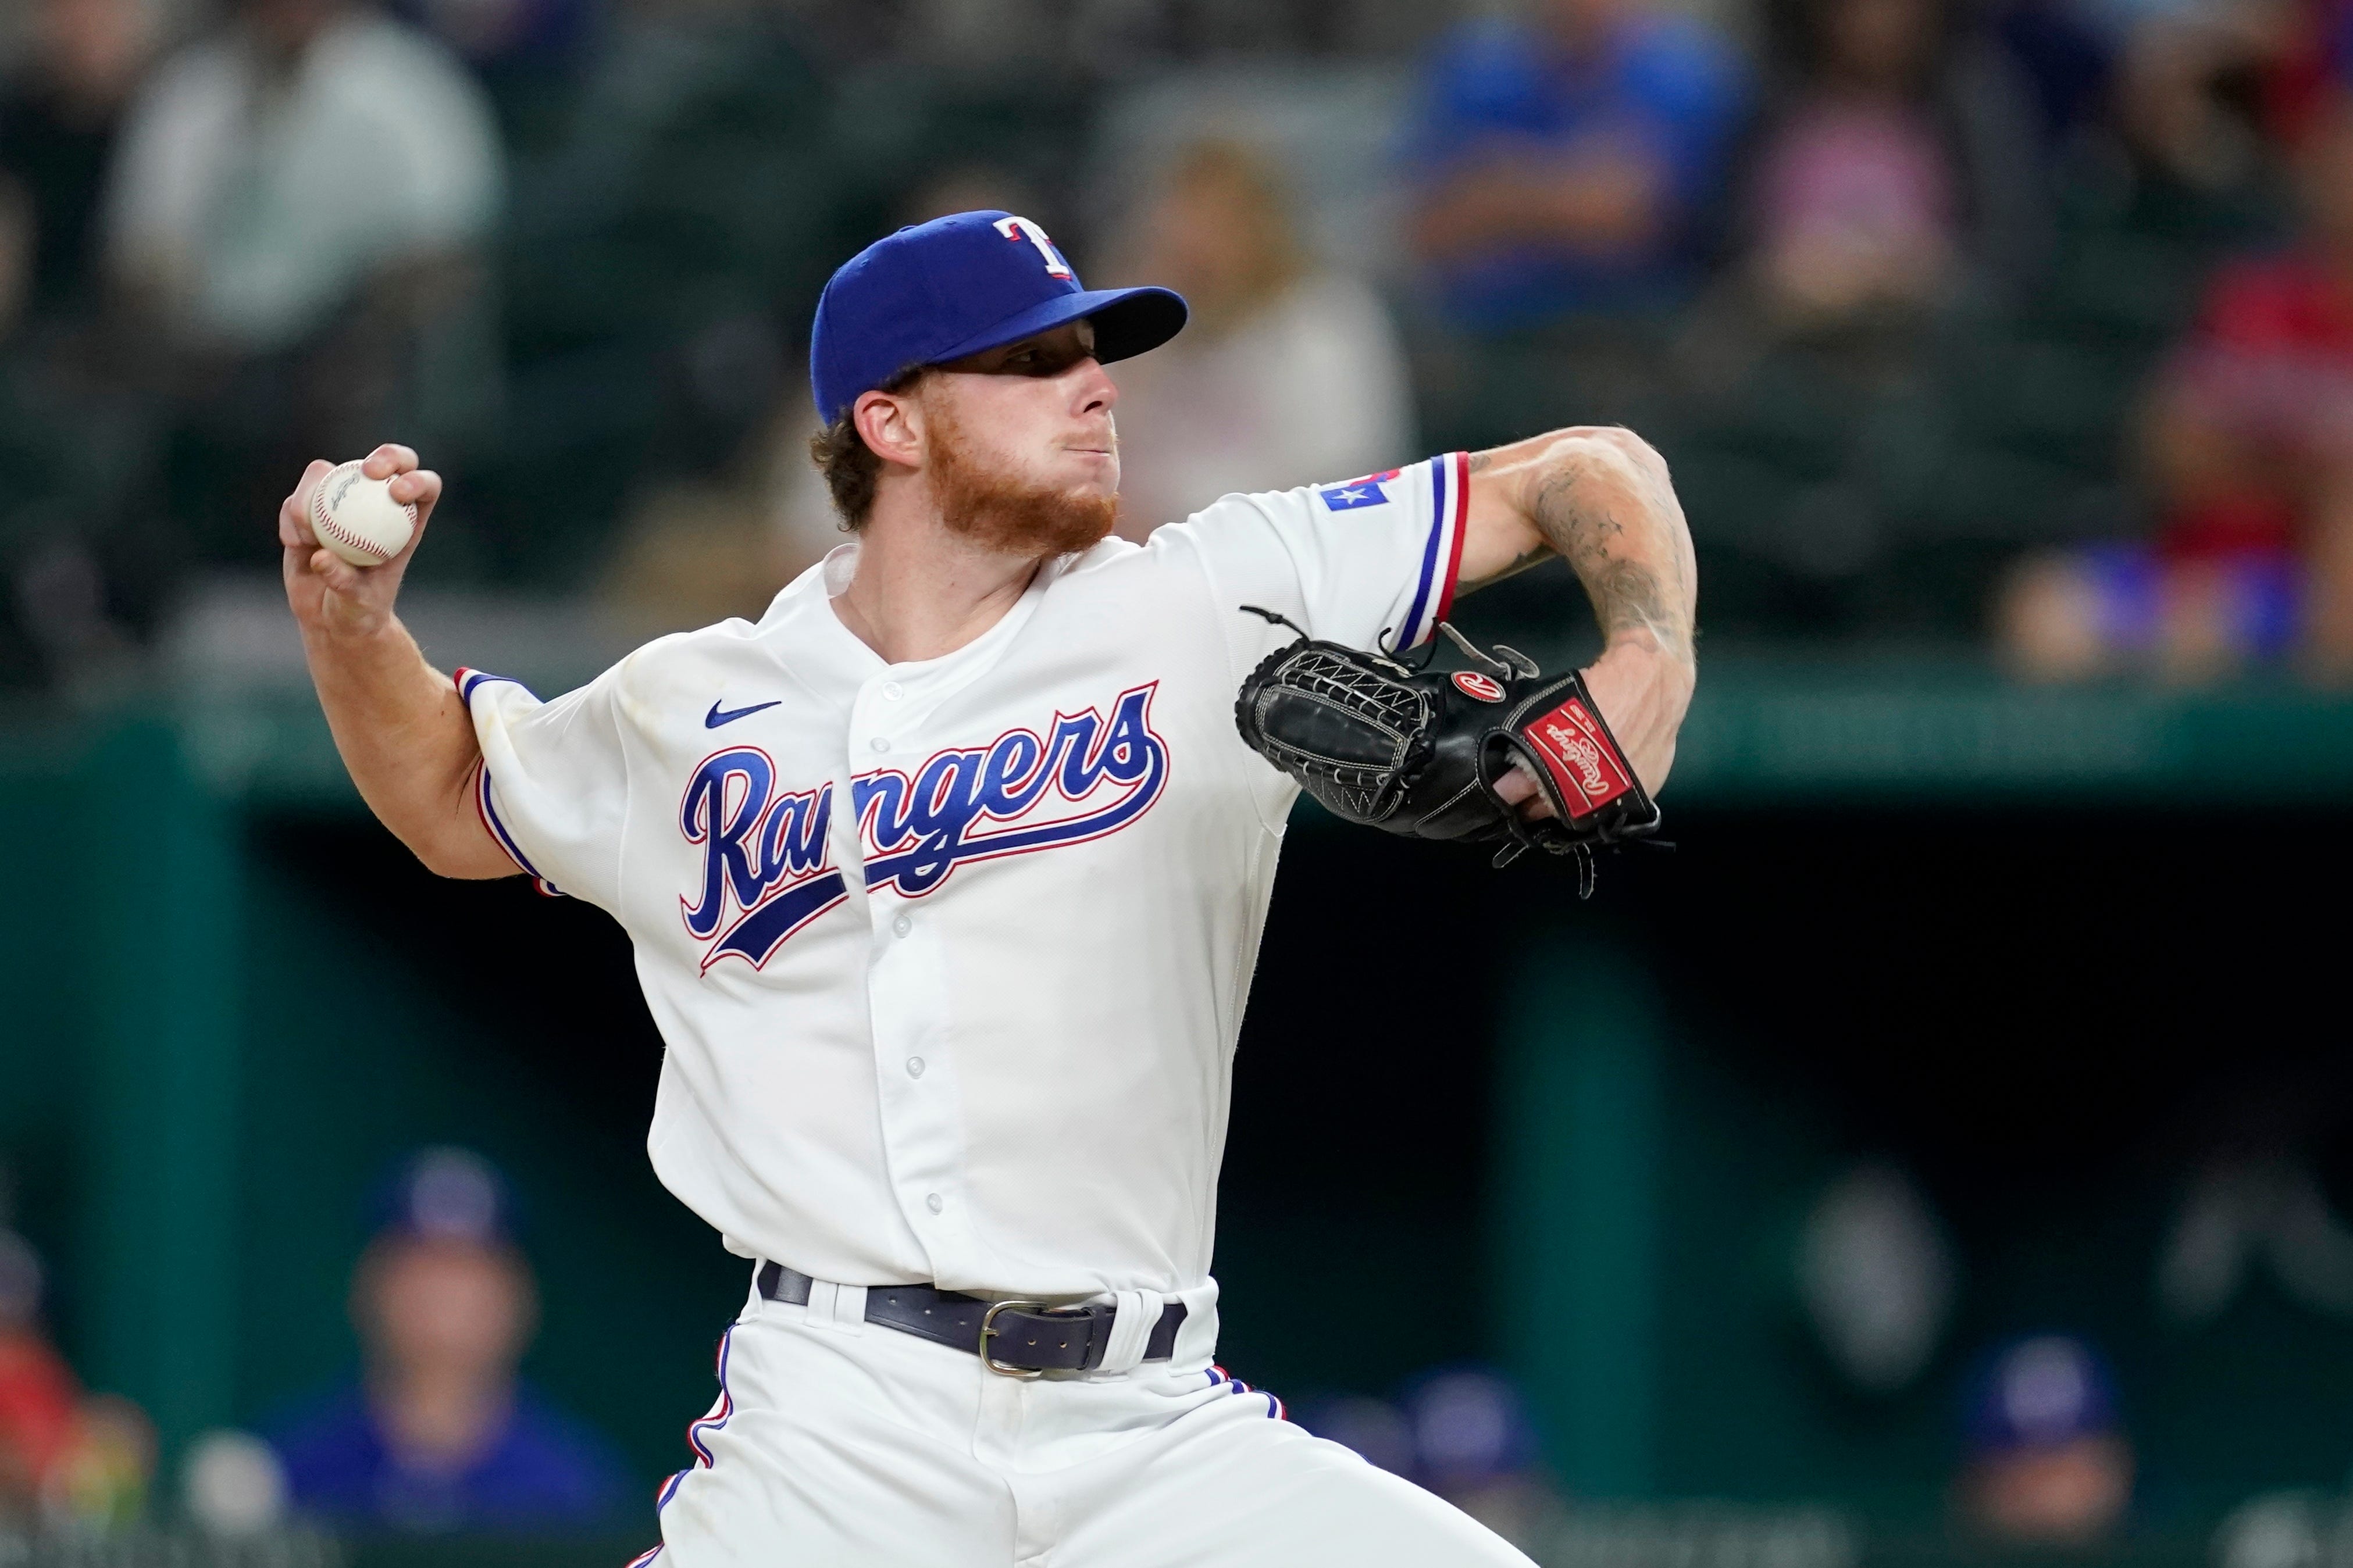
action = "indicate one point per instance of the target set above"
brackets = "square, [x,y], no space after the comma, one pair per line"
[1414,751]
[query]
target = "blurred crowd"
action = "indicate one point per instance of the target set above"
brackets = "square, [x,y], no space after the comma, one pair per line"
[2029,321]
[434,1431]
[2042,1462]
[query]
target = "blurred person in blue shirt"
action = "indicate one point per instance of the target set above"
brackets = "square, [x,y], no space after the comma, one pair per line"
[439,1433]
[1567,160]
[2048,1460]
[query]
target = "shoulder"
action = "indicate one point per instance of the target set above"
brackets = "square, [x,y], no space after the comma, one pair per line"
[1364,497]
[380,46]
[1254,506]
[404,79]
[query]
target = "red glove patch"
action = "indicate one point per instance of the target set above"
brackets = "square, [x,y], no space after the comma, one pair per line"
[1580,756]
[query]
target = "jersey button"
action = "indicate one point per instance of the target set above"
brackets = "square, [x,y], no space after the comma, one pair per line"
[903,925]
[880,744]
[914,1067]
[893,690]
[935,1203]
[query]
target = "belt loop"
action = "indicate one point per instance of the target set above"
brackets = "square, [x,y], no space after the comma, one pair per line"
[1196,1340]
[1138,1313]
[840,1308]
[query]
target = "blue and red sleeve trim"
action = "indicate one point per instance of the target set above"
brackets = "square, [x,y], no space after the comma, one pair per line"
[469,681]
[1441,554]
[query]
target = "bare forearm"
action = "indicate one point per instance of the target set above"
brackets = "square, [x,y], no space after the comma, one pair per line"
[1600,499]
[402,732]
[1603,503]
[405,736]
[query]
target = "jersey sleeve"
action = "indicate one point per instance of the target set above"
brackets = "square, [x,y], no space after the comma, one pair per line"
[554,785]
[1369,562]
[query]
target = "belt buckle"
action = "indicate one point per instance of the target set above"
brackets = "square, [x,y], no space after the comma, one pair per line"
[988,1329]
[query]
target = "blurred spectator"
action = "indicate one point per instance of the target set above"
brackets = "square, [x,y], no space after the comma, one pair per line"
[2249,447]
[698,549]
[1876,1276]
[275,172]
[664,253]
[102,1480]
[1566,159]
[64,1458]
[298,209]
[526,53]
[71,442]
[2201,83]
[2246,1212]
[1901,161]
[232,1483]
[438,1433]
[1461,1432]
[2048,1462]
[58,121]
[1291,373]
[38,1391]
[1475,1446]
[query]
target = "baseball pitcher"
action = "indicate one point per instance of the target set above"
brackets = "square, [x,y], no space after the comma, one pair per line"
[946,877]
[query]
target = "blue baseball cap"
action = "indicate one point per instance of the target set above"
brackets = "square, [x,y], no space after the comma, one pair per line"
[961,285]
[444,1194]
[2038,1393]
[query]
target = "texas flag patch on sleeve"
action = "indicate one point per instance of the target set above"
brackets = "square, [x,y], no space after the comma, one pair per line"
[1355,494]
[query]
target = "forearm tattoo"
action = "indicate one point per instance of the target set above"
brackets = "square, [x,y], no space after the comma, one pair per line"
[1537,556]
[1571,508]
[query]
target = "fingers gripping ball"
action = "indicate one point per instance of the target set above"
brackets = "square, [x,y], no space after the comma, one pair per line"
[356,518]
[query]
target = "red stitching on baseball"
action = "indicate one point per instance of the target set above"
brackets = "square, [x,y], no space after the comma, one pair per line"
[322,520]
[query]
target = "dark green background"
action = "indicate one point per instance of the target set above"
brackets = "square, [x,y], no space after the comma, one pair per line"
[1574,1141]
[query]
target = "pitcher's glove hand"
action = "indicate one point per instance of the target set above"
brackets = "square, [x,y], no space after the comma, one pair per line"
[1418,751]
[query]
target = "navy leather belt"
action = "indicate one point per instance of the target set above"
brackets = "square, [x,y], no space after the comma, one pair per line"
[1020,1339]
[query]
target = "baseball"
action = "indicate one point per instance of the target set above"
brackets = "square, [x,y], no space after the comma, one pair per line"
[356,518]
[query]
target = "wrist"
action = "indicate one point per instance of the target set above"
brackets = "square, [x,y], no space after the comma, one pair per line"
[1648,642]
[351,625]
[358,646]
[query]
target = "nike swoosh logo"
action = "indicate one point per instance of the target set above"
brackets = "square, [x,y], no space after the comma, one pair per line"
[712,719]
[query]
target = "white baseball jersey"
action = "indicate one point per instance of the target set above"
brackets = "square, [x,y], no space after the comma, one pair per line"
[950,957]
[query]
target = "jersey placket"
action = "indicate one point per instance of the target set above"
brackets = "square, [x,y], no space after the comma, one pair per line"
[907,998]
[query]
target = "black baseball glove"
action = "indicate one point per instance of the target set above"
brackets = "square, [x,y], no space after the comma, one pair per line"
[1418,750]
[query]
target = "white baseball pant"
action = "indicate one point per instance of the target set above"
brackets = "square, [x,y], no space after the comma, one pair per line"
[837,1443]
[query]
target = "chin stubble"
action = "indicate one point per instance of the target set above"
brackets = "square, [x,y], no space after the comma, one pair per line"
[1001,512]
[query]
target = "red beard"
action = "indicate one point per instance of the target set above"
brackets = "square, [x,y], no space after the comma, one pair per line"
[999,512]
